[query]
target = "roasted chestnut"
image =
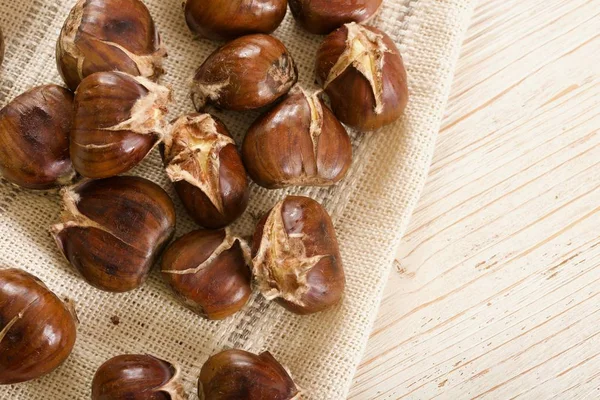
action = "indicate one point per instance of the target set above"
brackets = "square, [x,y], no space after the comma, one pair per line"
[109,35]
[296,259]
[323,16]
[113,230]
[34,139]
[209,271]
[362,72]
[247,73]
[227,19]
[202,161]
[137,377]
[298,142]
[37,330]
[238,374]
[119,119]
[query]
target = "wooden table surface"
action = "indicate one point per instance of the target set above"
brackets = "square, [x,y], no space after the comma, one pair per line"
[495,294]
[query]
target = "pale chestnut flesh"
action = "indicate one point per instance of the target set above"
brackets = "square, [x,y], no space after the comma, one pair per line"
[323,16]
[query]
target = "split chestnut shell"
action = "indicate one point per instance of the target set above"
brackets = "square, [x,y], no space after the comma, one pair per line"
[323,16]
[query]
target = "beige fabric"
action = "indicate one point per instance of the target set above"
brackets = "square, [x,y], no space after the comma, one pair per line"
[370,209]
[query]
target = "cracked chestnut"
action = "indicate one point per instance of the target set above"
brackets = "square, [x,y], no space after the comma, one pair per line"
[323,16]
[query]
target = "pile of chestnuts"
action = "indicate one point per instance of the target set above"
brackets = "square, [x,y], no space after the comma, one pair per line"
[114,228]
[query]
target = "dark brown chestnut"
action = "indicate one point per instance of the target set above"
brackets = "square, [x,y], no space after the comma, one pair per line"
[37,330]
[229,19]
[113,230]
[298,142]
[109,35]
[323,16]
[296,259]
[238,374]
[137,377]
[362,72]
[247,73]
[119,119]
[202,161]
[209,272]
[34,139]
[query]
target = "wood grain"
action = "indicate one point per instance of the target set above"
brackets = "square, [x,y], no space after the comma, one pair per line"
[496,290]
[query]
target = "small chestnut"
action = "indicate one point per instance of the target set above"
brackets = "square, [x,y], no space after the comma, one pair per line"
[298,142]
[296,259]
[209,272]
[247,73]
[202,161]
[323,16]
[229,19]
[37,330]
[137,377]
[238,374]
[362,72]
[118,120]
[109,35]
[34,140]
[113,230]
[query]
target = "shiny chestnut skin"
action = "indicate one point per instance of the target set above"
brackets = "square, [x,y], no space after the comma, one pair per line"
[229,19]
[296,260]
[238,374]
[37,330]
[298,142]
[203,163]
[137,377]
[113,230]
[109,35]
[362,72]
[324,16]
[247,73]
[209,272]
[34,139]
[118,120]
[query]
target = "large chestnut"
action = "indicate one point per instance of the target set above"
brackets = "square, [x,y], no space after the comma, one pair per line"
[137,377]
[37,330]
[247,73]
[113,230]
[238,374]
[362,72]
[323,16]
[34,139]
[209,272]
[298,142]
[118,120]
[109,35]
[229,19]
[202,161]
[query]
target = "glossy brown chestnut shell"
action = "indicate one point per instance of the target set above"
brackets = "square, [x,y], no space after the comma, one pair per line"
[296,260]
[202,161]
[34,138]
[37,330]
[229,19]
[362,72]
[119,119]
[247,73]
[209,272]
[298,142]
[238,374]
[323,16]
[109,35]
[113,230]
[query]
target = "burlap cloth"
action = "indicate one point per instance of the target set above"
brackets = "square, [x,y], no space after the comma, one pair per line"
[370,209]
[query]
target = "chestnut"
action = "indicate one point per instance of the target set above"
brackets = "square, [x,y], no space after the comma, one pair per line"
[1,46]
[296,259]
[209,272]
[323,16]
[238,374]
[247,73]
[113,230]
[37,330]
[227,19]
[362,72]
[34,144]
[109,35]
[298,142]
[118,120]
[203,162]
